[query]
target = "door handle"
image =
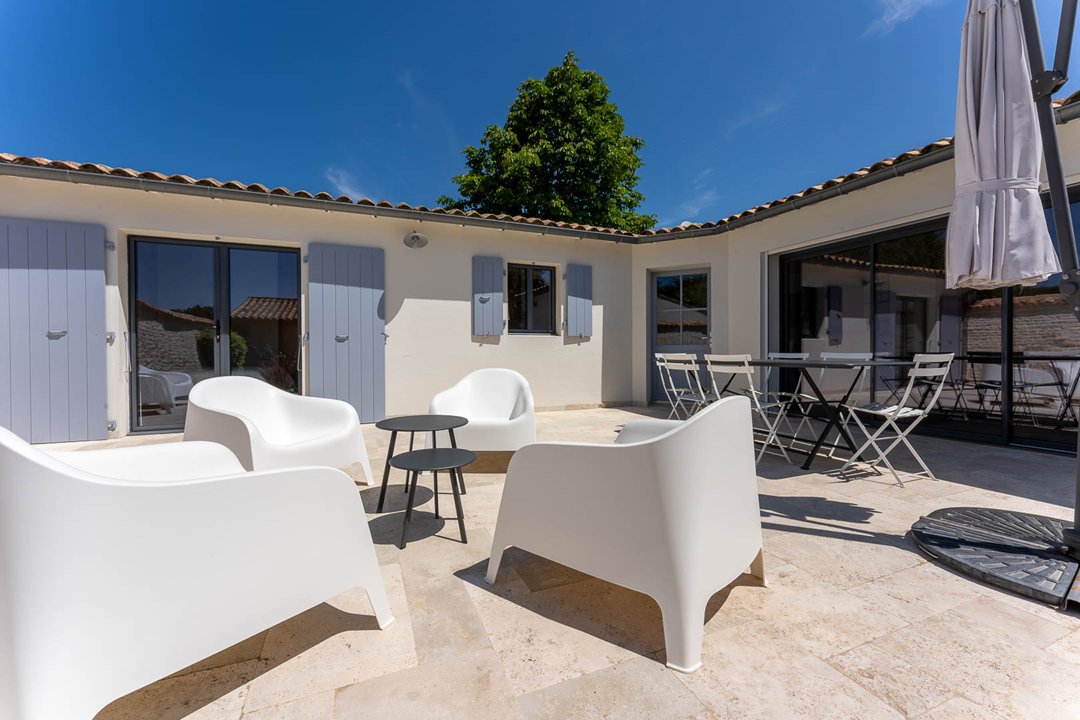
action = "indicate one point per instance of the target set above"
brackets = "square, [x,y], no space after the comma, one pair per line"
[341,338]
[55,334]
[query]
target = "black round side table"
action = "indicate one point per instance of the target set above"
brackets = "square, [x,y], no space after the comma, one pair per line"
[433,460]
[413,424]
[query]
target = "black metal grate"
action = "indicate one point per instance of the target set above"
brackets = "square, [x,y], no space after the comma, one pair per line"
[1020,552]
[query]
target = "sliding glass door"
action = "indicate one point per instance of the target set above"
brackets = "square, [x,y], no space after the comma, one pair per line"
[201,310]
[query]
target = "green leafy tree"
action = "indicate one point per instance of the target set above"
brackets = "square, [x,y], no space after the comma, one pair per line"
[561,155]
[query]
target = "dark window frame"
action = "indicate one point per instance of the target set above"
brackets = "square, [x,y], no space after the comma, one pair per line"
[221,311]
[530,319]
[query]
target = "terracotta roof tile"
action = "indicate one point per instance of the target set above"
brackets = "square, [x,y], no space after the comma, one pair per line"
[265,308]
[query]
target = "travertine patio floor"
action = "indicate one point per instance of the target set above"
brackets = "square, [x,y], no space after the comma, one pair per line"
[855,623]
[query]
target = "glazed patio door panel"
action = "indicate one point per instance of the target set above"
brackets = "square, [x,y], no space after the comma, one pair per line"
[177,329]
[346,324]
[203,310]
[680,319]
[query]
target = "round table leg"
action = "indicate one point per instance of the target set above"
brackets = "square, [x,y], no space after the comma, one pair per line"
[411,486]
[461,478]
[412,437]
[386,471]
[457,503]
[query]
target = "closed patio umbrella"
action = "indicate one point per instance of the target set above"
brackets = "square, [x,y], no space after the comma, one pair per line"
[997,233]
[998,237]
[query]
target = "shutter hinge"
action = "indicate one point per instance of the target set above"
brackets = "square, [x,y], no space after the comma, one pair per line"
[110,245]
[305,258]
[110,338]
[111,426]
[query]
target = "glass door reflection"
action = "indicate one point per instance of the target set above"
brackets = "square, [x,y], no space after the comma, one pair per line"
[264,338]
[175,329]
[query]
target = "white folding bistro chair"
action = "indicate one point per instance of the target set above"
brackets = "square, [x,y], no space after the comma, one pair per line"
[929,368]
[681,380]
[845,414]
[784,399]
[724,371]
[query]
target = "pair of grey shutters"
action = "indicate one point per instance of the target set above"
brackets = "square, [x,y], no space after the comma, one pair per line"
[346,327]
[52,330]
[487,298]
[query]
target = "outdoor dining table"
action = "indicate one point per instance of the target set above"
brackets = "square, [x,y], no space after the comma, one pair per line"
[831,409]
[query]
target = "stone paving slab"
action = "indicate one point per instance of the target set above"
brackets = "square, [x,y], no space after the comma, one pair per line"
[855,623]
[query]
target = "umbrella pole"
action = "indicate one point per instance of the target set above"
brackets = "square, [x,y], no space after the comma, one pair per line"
[1044,82]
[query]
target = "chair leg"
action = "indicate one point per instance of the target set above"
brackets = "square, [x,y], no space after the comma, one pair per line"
[372,582]
[757,568]
[684,629]
[498,547]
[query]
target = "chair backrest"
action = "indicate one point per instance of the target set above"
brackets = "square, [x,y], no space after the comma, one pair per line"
[683,372]
[766,375]
[929,369]
[725,370]
[488,393]
[845,357]
[708,484]
[236,394]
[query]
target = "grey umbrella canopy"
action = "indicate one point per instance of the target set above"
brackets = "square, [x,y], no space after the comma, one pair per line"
[997,234]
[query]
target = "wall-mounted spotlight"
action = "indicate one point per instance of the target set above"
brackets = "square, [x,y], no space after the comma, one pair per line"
[415,240]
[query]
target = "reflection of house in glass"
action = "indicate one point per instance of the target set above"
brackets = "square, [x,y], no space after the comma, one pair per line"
[887,296]
[267,326]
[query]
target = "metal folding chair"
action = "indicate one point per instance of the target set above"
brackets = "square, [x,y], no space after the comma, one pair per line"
[929,368]
[783,398]
[681,380]
[723,371]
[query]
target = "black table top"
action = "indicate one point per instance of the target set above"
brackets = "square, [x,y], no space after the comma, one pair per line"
[819,364]
[421,423]
[433,459]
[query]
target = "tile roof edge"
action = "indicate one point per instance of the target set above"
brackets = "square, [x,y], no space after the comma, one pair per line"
[901,164]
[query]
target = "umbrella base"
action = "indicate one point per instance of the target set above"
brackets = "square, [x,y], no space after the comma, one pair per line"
[1019,552]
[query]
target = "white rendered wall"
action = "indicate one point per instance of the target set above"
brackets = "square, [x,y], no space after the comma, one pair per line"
[743,261]
[428,291]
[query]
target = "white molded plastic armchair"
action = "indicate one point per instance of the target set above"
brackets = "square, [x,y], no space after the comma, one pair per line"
[269,428]
[673,513]
[119,567]
[499,406]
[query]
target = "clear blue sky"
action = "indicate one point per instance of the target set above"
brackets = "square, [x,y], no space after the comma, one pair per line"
[738,102]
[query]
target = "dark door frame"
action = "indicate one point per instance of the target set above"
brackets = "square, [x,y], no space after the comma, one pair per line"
[656,394]
[221,313]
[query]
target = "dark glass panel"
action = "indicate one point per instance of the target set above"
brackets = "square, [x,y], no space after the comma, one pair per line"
[695,291]
[543,300]
[263,303]
[668,293]
[517,302]
[174,323]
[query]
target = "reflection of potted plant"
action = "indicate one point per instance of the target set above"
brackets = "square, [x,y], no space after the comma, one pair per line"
[204,348]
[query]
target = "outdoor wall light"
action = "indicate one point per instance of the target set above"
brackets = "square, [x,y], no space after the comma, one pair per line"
[415,240]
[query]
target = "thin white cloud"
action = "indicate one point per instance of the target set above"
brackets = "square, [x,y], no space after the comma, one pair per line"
[894,12]
[757,112]
[344,183]
[703,195]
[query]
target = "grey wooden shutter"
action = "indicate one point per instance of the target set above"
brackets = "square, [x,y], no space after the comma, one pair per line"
[579,300]
[52,330]
[346,327]
[834,304]
[487,302]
